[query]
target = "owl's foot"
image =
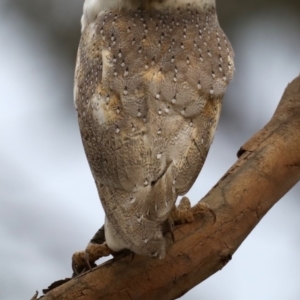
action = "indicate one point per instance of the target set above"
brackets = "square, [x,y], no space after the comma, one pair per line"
[83,261]
[184,213]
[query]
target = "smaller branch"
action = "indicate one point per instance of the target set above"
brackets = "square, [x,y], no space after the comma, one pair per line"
[268,166]
[34,297]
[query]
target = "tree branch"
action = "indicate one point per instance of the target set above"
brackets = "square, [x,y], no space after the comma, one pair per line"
[268,166]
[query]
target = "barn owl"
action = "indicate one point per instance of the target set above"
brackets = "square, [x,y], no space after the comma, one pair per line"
[149,81]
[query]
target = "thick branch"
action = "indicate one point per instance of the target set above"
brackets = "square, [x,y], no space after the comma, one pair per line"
[268,166]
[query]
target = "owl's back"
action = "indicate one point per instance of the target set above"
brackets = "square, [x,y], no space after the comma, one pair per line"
[149,86]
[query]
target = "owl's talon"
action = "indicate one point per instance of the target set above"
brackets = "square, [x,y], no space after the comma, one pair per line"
[184,203]
[184,213]
[75,271]
[87,260]
[202,208]
[83,261]
[78,263]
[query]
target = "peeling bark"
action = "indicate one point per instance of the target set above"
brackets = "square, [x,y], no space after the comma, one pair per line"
[268,167]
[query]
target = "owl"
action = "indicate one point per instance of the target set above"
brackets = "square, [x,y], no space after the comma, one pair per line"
[149,81]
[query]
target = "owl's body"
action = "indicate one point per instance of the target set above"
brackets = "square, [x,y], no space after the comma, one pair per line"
[149,83]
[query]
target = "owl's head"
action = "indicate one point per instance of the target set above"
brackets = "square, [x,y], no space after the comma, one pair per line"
[92,8]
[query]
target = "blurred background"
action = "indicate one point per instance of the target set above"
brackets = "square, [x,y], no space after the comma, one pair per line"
[49,206]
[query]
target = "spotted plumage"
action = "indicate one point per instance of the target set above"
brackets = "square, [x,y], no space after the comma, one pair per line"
[149,83]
